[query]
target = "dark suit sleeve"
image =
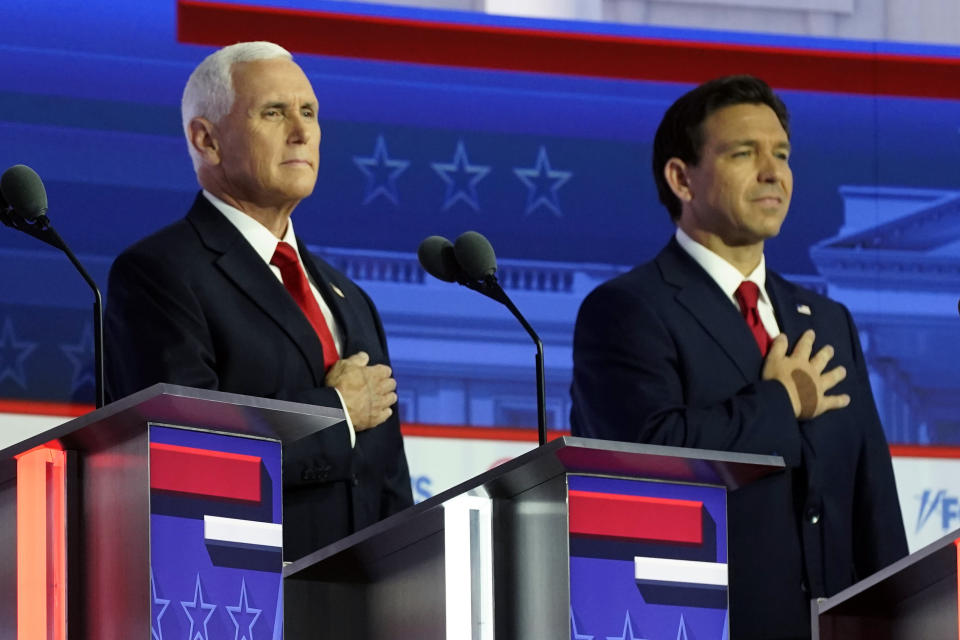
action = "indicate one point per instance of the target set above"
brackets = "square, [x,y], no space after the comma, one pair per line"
[630,383]
[396,493]
[154,329]
[878,537]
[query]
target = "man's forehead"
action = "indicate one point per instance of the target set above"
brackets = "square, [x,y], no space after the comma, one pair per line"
[273,79]
[744,122]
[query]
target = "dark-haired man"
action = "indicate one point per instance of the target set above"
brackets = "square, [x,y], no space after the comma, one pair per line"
[704,347]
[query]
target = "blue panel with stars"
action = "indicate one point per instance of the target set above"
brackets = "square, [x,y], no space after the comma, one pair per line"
[606,600]
[196,592]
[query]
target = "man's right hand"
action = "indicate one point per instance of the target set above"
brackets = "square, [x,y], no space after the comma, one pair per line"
[804,376]
[368,390]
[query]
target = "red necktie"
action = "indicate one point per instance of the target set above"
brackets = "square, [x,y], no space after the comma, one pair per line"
[747,294]
[295,281]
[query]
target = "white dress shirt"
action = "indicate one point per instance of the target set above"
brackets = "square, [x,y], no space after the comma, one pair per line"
[265,244]
[728,278]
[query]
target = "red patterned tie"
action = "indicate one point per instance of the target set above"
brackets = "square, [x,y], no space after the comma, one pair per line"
[747,294]
[295,281]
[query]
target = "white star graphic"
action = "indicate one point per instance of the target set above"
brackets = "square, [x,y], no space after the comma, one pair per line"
[245,611]
[574,633]
[198,603]
[461,178]
[627,631]
[81,357]
[156,632]
[381,172]
[543,183]
[13,353]
[682,629]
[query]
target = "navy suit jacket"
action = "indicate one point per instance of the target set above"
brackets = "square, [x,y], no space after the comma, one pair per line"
[193,304]
[661,356]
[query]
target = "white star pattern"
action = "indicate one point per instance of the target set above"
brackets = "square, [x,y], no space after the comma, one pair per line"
[81,356]
[381,172]
[198,603]
[461,178]
[245,611]
[543,182]
[627,631]
[156,632]
[574,633]
[13,354]
[682,629]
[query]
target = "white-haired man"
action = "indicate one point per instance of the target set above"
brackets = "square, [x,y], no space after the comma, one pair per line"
[228,298]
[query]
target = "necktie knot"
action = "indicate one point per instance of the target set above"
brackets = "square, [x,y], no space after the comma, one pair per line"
[747,295]
[284,255]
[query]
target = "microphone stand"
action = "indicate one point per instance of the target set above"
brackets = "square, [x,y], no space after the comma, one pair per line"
[491,288]
[41,229]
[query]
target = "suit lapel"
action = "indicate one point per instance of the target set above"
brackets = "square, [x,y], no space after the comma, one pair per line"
[704,300]
[787,301]
[242,266]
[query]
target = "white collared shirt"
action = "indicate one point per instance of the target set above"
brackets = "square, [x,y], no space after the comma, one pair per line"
[265,244]
[728,278]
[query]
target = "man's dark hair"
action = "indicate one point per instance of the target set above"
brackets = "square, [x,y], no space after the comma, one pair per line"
[680,134]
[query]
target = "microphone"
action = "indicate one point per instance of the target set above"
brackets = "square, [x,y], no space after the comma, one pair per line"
[22,188]
[436,256]
[471,261]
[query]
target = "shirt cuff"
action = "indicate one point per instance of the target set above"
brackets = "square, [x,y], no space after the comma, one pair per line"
[346,416]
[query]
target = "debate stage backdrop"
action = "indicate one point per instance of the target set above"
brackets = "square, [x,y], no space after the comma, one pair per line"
[552,167]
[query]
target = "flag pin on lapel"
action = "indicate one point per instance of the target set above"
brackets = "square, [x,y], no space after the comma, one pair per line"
[337,291]
[803,310]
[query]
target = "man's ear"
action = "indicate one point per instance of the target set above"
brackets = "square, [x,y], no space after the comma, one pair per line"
[676,173]
[204,141]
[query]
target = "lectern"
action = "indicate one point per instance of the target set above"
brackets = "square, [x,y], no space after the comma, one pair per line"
[157,516]
[576,539]
[915,597]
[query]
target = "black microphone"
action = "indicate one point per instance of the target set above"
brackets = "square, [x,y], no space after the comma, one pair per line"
[471,261]
[436,256]
[23,189]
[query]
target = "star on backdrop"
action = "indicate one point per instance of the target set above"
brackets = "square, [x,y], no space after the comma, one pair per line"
[81,357]
[245,612]
[627,631]
[461,178]
[682,630]
[381,172]
[156,632]
[542,183]
[198,606]
[13,353]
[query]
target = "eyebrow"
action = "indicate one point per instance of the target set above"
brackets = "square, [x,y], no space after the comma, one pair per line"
[749,142]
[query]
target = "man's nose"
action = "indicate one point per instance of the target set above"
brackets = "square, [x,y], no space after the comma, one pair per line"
[770,168]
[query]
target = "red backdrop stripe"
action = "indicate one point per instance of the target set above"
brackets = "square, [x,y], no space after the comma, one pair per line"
[540,51]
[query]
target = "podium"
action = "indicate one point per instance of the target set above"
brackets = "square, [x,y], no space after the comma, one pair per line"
[555,543]
[160,516]
[156,516]
[915,597]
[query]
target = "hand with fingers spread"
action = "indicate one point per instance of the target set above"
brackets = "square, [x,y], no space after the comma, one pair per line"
[804,376]
[369,391]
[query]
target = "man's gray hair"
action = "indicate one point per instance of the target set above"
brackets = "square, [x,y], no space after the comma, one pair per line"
[209,92]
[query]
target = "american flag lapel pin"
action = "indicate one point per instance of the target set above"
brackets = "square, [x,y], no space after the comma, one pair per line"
[804,310]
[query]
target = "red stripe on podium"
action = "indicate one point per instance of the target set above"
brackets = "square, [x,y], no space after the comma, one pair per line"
[571,53]
[641,518]
[202,472]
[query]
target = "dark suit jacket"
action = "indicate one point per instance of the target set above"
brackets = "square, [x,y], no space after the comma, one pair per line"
[661,356]
[193,304]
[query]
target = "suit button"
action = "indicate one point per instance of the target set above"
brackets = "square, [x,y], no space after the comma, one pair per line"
[813,516]
[355,480]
